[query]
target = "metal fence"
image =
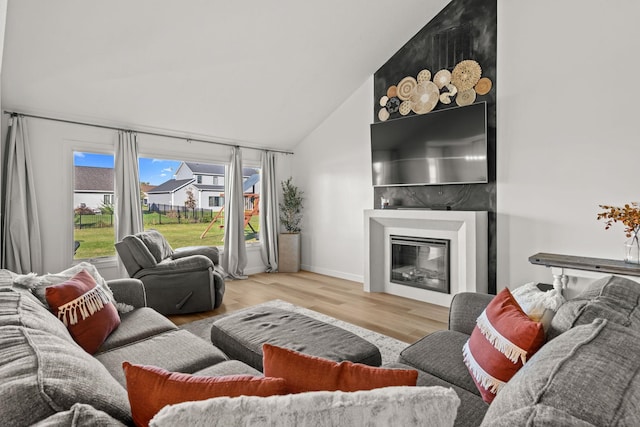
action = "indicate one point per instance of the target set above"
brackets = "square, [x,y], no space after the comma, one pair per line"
[158,213]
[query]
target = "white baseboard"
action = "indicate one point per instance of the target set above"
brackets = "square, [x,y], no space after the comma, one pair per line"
[333,273]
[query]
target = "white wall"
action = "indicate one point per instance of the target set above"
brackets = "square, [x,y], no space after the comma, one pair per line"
[568,135]
[567,140]
[333,167]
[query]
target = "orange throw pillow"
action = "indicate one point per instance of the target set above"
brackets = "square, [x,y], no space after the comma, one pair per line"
[151,388]
[500,344]
[85,308]
[310,373]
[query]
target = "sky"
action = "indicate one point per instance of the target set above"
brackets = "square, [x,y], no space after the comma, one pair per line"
[153,171]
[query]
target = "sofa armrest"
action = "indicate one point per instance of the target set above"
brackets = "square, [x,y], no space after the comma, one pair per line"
[465,309]
[129,291]
[210,252]
[177,266]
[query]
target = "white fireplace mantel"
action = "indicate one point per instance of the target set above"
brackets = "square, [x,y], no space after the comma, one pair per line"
[466,230]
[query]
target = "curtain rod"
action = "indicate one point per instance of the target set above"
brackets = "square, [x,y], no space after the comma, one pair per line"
[95,125]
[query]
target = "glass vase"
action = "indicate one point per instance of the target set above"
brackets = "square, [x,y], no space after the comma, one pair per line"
[632,250]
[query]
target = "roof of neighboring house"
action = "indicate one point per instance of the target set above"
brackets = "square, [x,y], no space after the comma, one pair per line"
[208,169]
[205,169]
[171,185]
[90,178]
[203,187]
[145,188]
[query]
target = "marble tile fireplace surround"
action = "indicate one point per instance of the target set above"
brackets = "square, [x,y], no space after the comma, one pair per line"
[465,267]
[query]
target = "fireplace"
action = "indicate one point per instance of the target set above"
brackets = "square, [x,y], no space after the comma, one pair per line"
[420,262]
[424,237]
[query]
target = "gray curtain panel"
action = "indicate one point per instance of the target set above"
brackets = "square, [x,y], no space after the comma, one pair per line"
[269,212]
[127,186]
[21,242]
[234,257]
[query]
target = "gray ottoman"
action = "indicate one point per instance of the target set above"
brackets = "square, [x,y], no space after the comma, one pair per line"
[241,335]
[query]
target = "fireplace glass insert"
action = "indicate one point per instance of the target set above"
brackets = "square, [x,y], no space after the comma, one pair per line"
[420,262]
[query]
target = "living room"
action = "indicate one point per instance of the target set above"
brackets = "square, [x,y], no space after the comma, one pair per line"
[560,154]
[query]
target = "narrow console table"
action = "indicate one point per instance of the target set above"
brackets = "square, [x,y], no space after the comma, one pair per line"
[600,265]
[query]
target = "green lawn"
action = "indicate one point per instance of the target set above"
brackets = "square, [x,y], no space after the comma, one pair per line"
[98,242]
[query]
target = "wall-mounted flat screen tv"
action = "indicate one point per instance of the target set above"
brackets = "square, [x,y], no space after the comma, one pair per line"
[441,147]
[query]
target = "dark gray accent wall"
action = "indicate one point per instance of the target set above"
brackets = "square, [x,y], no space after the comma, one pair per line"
[464,29]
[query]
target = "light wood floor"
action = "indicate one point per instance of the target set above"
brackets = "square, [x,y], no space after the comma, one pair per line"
[401,318]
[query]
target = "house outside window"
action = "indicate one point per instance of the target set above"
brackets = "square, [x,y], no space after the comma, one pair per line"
[182,200]
[93,231]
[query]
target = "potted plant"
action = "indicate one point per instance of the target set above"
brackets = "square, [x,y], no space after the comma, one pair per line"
[290,217]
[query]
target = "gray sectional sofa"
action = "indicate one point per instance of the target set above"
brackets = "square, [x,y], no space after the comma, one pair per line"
[587,373]
[47,379]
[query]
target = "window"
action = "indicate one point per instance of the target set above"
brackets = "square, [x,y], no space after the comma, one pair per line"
[216,201]
[166,205]
[196,219]
[93,231]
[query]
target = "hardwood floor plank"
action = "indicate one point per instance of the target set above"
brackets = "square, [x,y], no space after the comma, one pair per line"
[401,318]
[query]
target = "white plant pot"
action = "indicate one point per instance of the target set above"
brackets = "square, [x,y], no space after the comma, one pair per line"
[289,253]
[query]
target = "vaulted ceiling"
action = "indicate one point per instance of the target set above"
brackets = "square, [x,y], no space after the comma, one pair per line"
[261,73]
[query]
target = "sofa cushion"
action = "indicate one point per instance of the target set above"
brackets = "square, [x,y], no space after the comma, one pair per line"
[175,351]
[85,309]
[151,388]
[311,373]
[137,325]
[538,415]
[156,243]
[19,309]
[41,374]
[613,297]
[503,339]
[228,367]
[80,415]
[140,253]
[600,359]
[472,407]
[440,354]
[390,406]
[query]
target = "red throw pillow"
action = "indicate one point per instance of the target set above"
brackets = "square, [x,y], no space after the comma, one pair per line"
[85,308]
[151,388]
[310,373]
[501,342]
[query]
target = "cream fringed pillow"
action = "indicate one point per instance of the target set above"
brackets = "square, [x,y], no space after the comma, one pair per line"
[383,407]
[37,284]
[539,305]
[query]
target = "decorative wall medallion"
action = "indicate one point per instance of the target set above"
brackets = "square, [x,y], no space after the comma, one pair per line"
[384,100]
[405,108]
[393,104]
[466,97]
[445,97]
[483,86]
[383,114]
[425,97]
[466,74]
[442,78]
[406,87]
[392,91]
[424,76]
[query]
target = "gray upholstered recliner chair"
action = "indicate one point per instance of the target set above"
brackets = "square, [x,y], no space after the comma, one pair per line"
[176,282]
